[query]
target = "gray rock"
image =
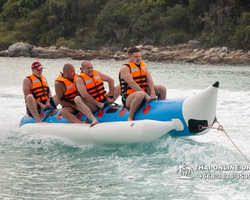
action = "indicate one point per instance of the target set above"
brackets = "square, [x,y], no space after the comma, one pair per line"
[155,50]
[29,46]
[139,46]
[36,51]
[210,51]
[4,53]
[23,53]
[16,48]
[63,48]
[224,49]
[148,47]
[124,49]
[53,48]
[193,44]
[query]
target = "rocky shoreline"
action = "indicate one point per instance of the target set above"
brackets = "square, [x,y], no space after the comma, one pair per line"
[186,53]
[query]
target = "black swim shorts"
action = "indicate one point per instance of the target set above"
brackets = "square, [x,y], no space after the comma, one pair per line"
[124,99]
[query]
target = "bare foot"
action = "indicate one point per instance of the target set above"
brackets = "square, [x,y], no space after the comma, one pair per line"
[42,122]
[130,119]
[94,123]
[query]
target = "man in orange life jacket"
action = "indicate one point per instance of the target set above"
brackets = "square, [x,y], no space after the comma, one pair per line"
[137,84]
[90,86]
[66,93]
[37,93]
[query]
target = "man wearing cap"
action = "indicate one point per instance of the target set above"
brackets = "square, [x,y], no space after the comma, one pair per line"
[37,93]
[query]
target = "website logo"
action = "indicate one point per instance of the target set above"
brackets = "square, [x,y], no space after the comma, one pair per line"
[214,171]
[185,171]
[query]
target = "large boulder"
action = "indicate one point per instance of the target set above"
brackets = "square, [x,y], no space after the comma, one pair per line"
[20,49]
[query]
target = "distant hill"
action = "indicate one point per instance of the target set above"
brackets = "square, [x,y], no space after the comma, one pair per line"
[91,24]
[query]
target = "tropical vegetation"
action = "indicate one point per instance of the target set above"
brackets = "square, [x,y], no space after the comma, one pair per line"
[91,24]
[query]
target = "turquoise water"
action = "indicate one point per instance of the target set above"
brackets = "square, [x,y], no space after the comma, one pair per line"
[35,166]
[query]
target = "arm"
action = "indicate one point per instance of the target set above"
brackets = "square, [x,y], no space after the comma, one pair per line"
[111,84]
[84,94]
[60,88]
[27,85]
[125,74]
[47,104]
[151,85]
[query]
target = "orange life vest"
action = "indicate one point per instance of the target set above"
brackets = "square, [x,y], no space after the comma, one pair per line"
[39,89]
[71,91]
[139,75]
[94,86]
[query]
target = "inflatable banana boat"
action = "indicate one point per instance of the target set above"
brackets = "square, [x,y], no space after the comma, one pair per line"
[187,116]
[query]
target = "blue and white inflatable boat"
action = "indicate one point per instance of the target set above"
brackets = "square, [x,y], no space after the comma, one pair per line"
[187,116]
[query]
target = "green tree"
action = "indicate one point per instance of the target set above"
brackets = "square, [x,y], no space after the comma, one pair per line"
[90,24]
[241,38]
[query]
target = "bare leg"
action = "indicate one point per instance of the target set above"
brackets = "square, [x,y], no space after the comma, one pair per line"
[68,113]
[160,91]
[116,92]
[133,102]
[55,100]
[32,105]
[85,110]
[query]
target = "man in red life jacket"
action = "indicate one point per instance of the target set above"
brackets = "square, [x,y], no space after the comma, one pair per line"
[37,93]
[66,92]
[90,86]
[137,84]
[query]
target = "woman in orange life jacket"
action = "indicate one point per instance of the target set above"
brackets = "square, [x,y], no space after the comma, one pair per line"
[37,93]
[90,86]
[66,92]
[137,84]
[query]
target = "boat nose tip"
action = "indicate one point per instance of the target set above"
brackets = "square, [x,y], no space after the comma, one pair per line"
[216,84]
[199,110]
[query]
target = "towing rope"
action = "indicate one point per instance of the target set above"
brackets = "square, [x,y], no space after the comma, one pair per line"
[220,128]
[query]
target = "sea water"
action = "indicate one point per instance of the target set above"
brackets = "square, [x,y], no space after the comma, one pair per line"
[34,166]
